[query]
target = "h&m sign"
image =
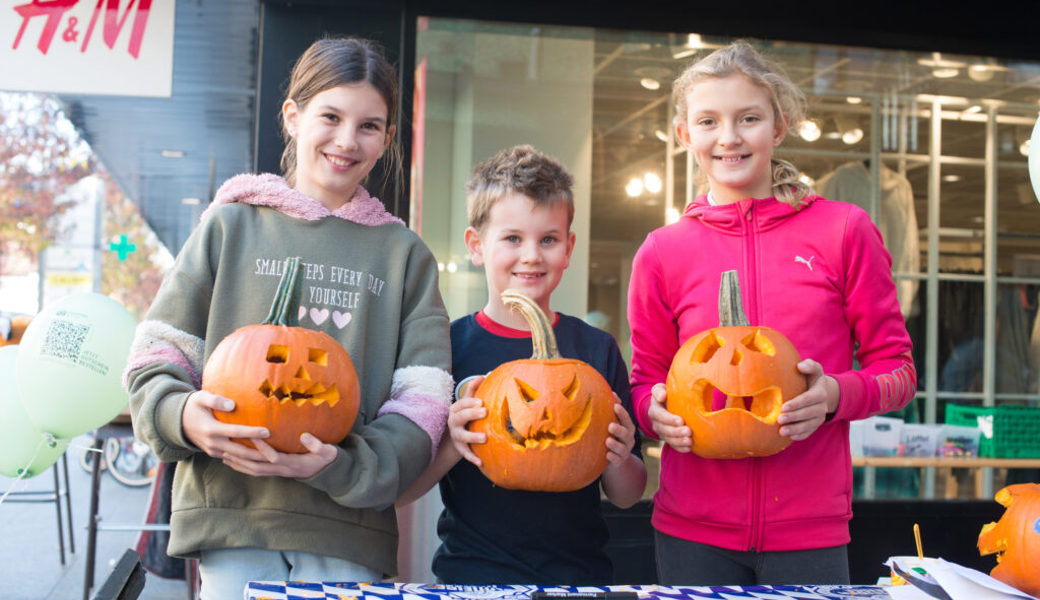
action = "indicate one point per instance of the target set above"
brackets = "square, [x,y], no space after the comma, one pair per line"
[106,47]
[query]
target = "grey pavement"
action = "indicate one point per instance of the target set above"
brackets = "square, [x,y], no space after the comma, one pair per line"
[30,567]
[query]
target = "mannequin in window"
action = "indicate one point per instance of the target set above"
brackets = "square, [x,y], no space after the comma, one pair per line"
[898,220]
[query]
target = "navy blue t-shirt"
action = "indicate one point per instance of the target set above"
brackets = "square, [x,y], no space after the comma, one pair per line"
[491,535]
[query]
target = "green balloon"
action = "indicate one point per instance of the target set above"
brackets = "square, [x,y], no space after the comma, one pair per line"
[71,363]
[1034,159]
[24,449]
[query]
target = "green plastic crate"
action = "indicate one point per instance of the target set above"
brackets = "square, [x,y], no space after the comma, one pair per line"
[1007,431]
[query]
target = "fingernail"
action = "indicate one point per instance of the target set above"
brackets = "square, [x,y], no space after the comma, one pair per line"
[265,433]
[228,405]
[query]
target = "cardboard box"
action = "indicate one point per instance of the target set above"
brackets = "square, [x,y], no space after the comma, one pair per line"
[881,436]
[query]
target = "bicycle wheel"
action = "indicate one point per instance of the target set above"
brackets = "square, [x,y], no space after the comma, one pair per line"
[131,462]
[86,460]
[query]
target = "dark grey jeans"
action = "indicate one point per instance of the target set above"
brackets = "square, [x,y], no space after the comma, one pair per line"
[682,562]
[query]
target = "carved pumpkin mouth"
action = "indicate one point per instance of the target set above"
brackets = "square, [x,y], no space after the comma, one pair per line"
[532,423]
[764,404]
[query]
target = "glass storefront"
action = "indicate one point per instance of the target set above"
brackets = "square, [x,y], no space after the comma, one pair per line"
[932,145]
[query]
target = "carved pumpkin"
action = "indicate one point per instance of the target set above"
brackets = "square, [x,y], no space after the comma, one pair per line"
[1015,538]
[287,378]
[547,416]
[753,368]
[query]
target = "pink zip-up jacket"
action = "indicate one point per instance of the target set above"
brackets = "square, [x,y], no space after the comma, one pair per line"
[822,277]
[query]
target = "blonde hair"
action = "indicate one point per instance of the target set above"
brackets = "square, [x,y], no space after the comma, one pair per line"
[521,170]
[335,61]
[788,102]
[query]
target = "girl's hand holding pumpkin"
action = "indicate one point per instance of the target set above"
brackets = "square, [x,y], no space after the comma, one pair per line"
[622,435]
[802,415]
[297,466]
[668,426]
[212,436]
[462,411]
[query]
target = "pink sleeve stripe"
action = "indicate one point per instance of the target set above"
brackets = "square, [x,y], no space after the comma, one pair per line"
[161,352]
[429,413]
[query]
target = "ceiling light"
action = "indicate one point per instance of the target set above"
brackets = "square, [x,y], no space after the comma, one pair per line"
[694,40]
[191,201]
[671,215]
[452,267]
[652,183]
[951,178]
[809,131]
[853,99]
[650,83]
[1023,148]
[852,136]
[945,72]
[172,153]
[980,73]
[661,135]
[634,187]
[973,109]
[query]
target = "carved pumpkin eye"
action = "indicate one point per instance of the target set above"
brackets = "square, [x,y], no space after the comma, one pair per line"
[286,378]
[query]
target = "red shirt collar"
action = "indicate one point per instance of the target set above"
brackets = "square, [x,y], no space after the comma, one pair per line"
[500,330]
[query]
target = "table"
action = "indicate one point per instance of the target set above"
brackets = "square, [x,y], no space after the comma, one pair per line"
[330,590]
[977,464]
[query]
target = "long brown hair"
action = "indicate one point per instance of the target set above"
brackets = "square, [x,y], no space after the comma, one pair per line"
[741,58]
[335,61]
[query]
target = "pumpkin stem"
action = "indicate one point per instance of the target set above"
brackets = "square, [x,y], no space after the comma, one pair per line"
[542,337]
[283,309]
[731,310]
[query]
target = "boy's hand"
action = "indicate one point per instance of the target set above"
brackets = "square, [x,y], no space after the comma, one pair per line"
[283,464]
[622,435]
[463,410]
[670,427]
[802,415]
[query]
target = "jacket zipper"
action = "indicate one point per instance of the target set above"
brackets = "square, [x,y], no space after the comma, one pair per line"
[755,531]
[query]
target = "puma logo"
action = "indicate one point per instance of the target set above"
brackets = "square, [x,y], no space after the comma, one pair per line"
[808,263]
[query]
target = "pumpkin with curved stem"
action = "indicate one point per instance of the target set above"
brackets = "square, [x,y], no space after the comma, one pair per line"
[547,416]
[1015,538]
[287,378]
[753,368]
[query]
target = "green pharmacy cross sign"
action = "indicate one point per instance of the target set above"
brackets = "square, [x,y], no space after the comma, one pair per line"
[123,248]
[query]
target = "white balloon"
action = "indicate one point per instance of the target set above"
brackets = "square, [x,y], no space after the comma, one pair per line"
[71,361]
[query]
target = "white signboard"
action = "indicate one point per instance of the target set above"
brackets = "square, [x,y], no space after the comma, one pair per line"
[106,47]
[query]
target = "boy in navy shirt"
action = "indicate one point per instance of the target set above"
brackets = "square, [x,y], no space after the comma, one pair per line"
[520,208]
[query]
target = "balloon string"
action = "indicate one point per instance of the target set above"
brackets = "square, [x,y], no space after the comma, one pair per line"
[47,439]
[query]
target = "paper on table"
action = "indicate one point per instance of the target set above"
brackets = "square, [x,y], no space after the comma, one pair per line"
[906,592]
[960,583]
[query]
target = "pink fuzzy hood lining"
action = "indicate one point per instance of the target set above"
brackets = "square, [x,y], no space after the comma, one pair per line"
[271,190]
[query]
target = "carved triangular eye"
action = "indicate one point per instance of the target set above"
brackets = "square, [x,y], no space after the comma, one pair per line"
[571,391]
[707,348]
[759,343]
[527,393]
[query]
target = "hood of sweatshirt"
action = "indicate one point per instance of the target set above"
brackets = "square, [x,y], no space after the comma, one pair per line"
[767,212]
[272,191]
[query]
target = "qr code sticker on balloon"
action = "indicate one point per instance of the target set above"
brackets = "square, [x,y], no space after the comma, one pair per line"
[64,339]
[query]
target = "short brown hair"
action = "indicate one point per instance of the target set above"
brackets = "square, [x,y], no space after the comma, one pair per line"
[521,170]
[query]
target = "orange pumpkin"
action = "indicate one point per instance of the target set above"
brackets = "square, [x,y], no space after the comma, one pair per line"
[755,368]
[547,416]
[1015,538]
[18,325]
[287,378]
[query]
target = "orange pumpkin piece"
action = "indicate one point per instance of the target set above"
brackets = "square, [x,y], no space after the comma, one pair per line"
[755,368]
[18,325]
[547,416]
[1015,538]
[287,378]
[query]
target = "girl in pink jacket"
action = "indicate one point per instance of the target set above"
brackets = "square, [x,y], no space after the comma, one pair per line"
[813,269]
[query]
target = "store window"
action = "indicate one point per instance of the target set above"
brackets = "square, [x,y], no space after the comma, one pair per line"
[932,145]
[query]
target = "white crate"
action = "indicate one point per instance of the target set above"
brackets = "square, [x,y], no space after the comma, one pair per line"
[881,436]
[919,439]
